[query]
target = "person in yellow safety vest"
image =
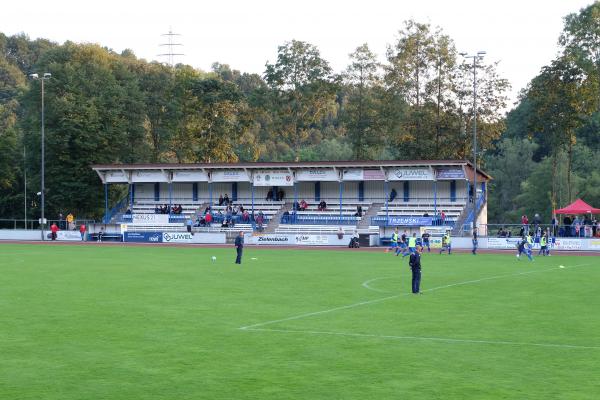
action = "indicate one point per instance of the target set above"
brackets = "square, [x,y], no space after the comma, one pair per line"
[446,244]
[412,245]
[394,241]
[543,245]
[529,241]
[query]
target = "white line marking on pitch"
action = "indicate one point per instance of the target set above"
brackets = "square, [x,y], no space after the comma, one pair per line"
[436,339]
[365,284]
[368,302]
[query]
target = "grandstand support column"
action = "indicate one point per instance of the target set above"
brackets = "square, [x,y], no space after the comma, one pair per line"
[105,202]
[210,201]
[341,199]
[252,191]
[435,197]
[385,193]
[295,192]
[170,196]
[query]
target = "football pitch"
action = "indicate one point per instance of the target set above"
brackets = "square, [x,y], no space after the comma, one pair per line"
[112,322]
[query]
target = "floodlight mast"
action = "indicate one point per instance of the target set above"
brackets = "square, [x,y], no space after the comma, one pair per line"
[45,77]
[475,57]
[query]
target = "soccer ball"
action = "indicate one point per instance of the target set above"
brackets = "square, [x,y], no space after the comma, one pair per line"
[214,258]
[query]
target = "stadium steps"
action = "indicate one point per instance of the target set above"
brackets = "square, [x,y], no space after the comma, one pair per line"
[458,225]
[276,218]
[365,221]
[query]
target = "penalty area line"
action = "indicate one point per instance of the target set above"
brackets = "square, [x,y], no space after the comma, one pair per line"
[382,299]
[426,338]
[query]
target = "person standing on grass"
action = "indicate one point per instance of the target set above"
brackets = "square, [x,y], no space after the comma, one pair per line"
[415,268]
[543,245]
[446,244]
[239,246]
[393,241]
[425,241]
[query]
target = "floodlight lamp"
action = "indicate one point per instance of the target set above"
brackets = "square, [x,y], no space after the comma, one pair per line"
[47,75]
[34,76]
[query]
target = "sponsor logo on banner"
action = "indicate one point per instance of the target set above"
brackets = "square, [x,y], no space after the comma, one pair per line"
[177,237]
[115,177]
[68,235]
[410,221]
[363,175]
[149,219]
[450,173]
[230,175]
[594,244]
[143,237]
[190,176]
[272,239]
[502,243]
[148,176]
[318,174]
[568,244]
[313,240]
[410,174]
[273,178]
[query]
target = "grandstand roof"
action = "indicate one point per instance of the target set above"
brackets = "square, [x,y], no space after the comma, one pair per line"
[467,165]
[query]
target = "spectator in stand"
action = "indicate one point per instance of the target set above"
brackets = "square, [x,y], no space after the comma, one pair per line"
[189,224]
[208,218]
[70,224]
[296,205]
[270,195]
[577,226]
[525,224]
[594,227]
[221,200]
[260,220]
[554,223]
[303,205]
[322,206]
[245,216]
[359,211]
[53,231]
[157,209]
[242,209]
[226,200]
[280,195]
[340,233]
[393,195]
[128,212]
[443,217]
[82,230]
[207,210]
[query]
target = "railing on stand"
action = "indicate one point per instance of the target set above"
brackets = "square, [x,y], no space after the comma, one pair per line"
[468,224]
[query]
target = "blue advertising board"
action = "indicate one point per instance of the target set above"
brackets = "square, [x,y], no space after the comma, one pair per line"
[410,221]
[143,237]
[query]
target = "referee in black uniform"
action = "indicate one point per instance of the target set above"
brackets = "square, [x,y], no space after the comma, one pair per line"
[239,246]
[415,267]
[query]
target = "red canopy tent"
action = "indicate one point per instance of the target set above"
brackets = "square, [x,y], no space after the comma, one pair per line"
[578,207]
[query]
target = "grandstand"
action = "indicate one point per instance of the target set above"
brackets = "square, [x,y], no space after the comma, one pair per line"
[367,196]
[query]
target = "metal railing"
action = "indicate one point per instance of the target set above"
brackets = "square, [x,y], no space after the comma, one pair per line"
[30,224]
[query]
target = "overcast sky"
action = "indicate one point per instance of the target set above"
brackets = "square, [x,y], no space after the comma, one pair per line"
[521,34]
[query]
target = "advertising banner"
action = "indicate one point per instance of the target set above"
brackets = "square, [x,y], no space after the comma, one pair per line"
[68,235]
[273,178]
[312,240]
[190,176]
[143,237]
[594,244]
[450,173]
[317,174]
[363,175]
[177,237]
[568,244]
[410,174]
[230,175]
[141,219]
[115,177]
[273,239]
[410,221]
[502,243]
[148,176]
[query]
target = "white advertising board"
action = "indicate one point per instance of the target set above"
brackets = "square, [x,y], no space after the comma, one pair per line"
[148,176]
[177,237]
[116,177]
[502,243]
[410,174]
[317,175]
[68,235]
[568,244]
[140,219]
[190,176]
[273,178]
[230,175]
[594,244]
[355,174]
[297,240]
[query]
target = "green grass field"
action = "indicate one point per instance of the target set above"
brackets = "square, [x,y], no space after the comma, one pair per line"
[110,322]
